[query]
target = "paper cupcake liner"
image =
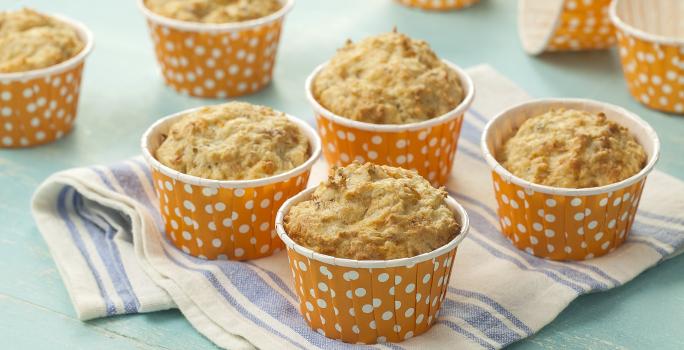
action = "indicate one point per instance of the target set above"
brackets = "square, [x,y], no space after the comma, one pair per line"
[652,63]
[375,301]
[427,147]
[439,5]
[561,223]
[39,106]
[214,219]
[216,60]
[564,25]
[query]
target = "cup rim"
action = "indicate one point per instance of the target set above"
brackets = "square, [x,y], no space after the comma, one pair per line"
[641,34]
[84,34]
[314,142]
[455,207]
[558,102]
[543,44]
[466,84]
[215,27]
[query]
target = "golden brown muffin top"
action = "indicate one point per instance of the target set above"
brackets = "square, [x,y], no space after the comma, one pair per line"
[30,40]
[214,11]
[387,79]
[373,212]
[234,141]
[572,149]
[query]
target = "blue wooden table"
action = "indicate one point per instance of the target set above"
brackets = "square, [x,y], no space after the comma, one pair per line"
[123,93]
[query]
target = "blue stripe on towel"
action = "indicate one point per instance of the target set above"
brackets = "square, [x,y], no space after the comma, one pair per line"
[145,169]
[259,293]
[277,280]
[482,315]
[455,327]
[234,303]
[493,232]
[637,240]
[665,218]
[478,115]
[109,255]
[540,265]
[496,306]
[481,319]
[667,236]
[110,308]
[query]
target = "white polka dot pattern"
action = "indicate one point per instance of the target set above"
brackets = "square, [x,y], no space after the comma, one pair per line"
[224,222]
[217,64]
[560,227]
[362,305]
[430,151]
[38,110]
[583,25]
[654,72]
[439,5]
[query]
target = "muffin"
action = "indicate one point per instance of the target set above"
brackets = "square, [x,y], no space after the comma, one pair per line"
[387,79]
[373,212]
[214,11]
[30,40]
[234,141]
[570,148]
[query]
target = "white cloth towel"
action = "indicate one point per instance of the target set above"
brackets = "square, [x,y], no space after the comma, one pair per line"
[102,227]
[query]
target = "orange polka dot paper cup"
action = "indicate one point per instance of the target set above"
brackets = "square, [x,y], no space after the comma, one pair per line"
[216,60]
[427,147]
[439,5]
[564,25]
[370,301]
[652,51]
[39,106]
[565,223]
[214,219]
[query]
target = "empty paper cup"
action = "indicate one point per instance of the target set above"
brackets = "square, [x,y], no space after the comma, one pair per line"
[370,301]
[565,223]
[564,25]
[223,219]
[651,42]
[427,147]
[438,5]
[39,106]
[216,60]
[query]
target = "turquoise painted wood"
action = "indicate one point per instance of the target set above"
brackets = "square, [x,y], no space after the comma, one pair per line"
[123,93]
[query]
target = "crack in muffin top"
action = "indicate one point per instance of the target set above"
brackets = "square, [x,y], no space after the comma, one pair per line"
[234,141]
[572,149]
[214,11]
[387,79]
[373,212]
[31,40]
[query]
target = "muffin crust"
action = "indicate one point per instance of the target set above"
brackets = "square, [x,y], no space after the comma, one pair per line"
[572,149]
[30,40]
[234,141]
[387,79]
[373,212]
[214,11]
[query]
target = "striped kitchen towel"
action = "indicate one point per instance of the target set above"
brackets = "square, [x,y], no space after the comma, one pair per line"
[103,230]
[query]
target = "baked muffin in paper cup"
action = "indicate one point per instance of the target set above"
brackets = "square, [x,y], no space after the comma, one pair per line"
[427,147]
[223,219]
[439,5]
[565,223]
[564,25]
[216,60]
[40,106]
[370,301]
[651,51]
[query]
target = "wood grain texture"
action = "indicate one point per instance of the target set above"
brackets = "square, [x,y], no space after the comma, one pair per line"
[123,93]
